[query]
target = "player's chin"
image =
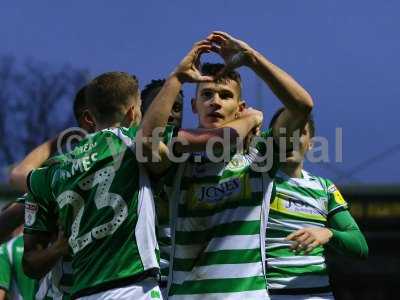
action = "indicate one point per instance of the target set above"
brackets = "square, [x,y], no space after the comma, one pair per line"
[293,159]
[211,124]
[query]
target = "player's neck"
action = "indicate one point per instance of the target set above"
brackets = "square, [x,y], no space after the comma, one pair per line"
[100,127]
[292,169]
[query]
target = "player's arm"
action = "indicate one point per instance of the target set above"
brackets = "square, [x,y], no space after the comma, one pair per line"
[41,249]
[2,294]
[296,100]
[32,161]
[342,234]
[346,235]
[40,255]
[10,219]
[35,159]
[187,140]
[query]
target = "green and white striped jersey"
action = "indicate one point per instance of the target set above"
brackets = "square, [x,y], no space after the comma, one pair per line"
[298,203]
[12,276]
[219,214]
[57,284]
[102,198]
[163,231]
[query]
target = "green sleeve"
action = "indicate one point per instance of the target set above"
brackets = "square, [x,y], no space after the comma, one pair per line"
[21,200]
[347,237]
[169,133]
[39,183]
[39,207]
[5,269]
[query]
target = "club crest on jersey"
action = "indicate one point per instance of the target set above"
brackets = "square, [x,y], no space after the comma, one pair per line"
[337,195]
[332,188]
[31,210]
[216,193]
[237,163]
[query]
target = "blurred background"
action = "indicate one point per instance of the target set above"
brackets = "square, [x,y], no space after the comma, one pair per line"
[345,53]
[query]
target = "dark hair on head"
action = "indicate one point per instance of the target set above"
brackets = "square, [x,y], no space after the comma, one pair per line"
[79,103]
[310,121]
[110,94]
[148,94]
[210,69]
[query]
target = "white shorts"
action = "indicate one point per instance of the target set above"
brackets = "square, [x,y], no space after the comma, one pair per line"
[322,296]
[145,290]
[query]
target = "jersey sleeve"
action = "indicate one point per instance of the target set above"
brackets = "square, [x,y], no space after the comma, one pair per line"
[169,133]
[336,201]
[268,150]
[21,200]
[39,207]
[39,182]
[5,268]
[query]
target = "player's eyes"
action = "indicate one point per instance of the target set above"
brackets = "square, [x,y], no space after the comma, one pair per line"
[226,95]
[177,107]
[207,94]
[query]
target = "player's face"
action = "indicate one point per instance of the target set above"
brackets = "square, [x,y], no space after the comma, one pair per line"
[217,103]
[304,144]
[175,117]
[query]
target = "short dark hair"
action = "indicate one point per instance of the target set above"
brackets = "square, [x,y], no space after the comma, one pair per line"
[310,121]
[147,94]
[109,94]
[79,103]
[211,69]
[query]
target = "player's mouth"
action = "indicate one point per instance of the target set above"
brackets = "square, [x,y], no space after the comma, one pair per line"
[174,121]
[215,115]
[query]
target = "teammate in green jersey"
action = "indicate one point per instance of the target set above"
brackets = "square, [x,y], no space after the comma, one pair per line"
[13,281]
[220,208]
[57,283]
[11,217]
[163,228]
[101,197]
[307,215]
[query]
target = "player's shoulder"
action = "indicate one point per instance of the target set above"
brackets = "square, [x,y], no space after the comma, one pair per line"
[326,184]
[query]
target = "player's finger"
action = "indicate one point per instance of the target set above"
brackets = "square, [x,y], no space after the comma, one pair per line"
[222,34]
[308,241]
[217,39]
[302,238]
[311,247]
[216,49]
[295,234]
[204,79]
[201,42]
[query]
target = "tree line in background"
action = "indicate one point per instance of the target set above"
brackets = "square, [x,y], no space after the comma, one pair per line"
[35,104]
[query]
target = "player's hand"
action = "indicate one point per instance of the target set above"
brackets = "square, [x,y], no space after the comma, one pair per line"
[257,119]
[235,53]
[307,239]
[187,70]
[61,244]
[255,114]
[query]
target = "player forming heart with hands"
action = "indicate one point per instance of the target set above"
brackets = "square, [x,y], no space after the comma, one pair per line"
[234,52]
[188,68]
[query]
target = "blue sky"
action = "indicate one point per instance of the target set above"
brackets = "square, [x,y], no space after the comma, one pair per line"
[344,52]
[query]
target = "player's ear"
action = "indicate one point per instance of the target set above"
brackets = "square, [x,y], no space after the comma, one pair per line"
[132,116]
[194,108]
[87,121]
[242,105]
[311,144]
